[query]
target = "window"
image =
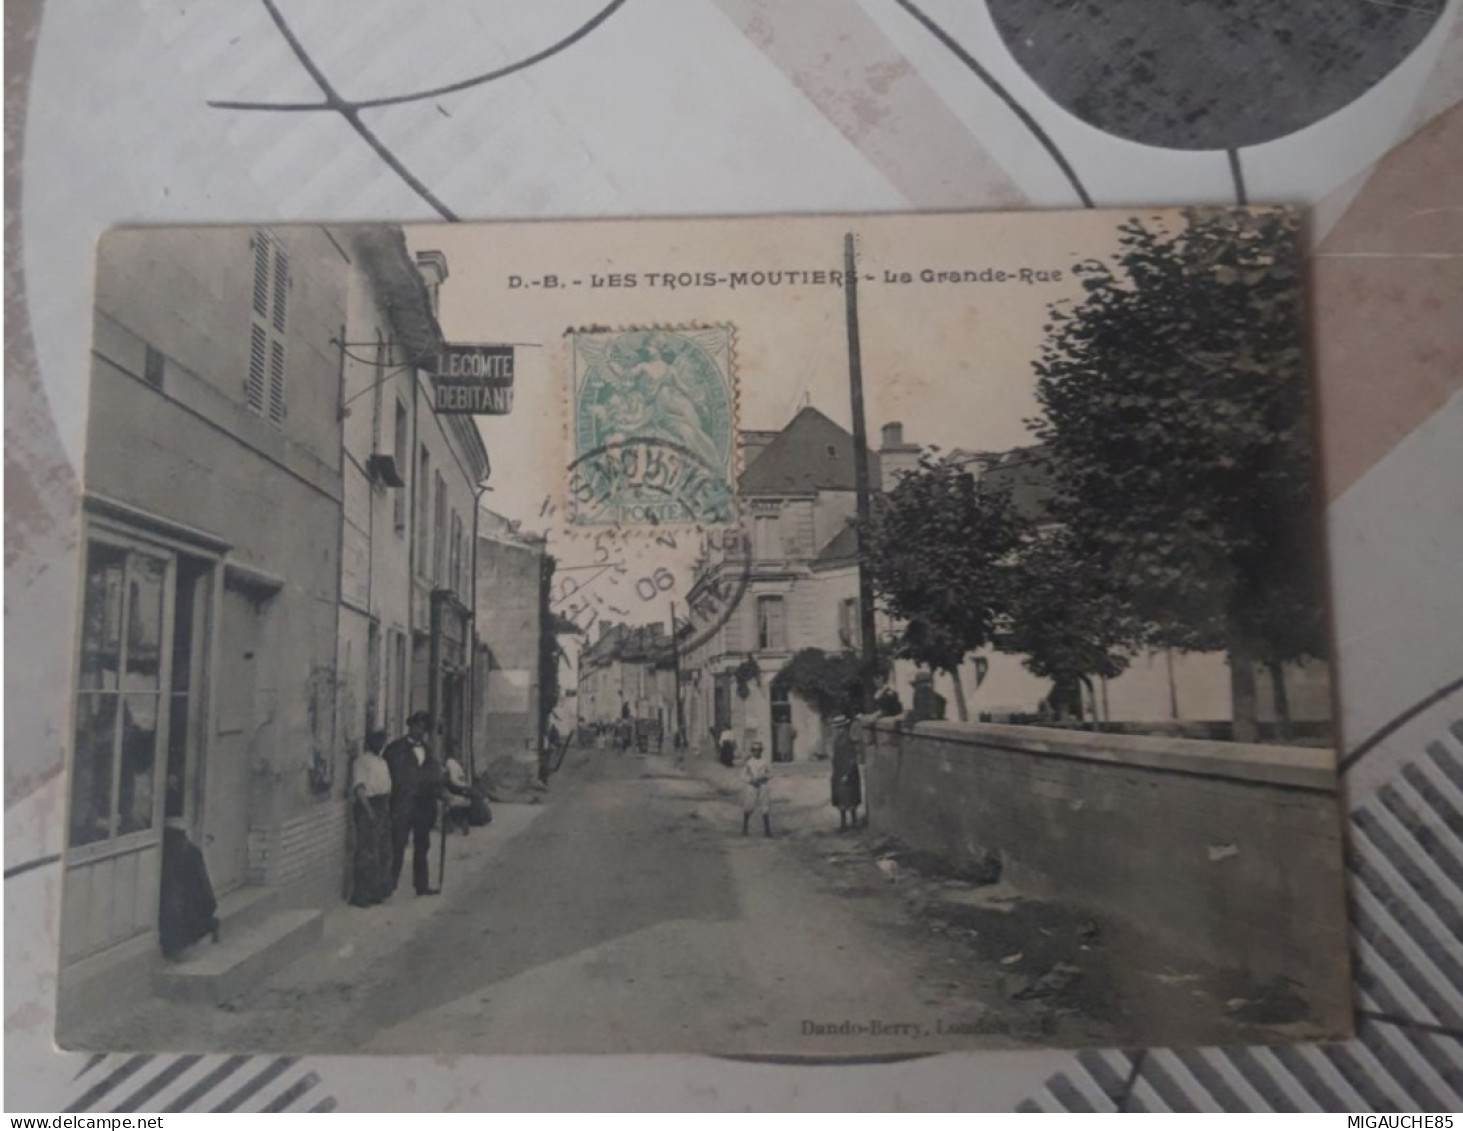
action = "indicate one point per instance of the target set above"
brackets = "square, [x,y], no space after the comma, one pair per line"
[395,681]
[398,450]
[848,623]
[265,386]
[439,529]
[421,518]
[120,694]
[373,675]
[771,624]
[764,537]
[454,556]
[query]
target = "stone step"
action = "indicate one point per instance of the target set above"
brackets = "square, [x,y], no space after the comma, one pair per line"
[214,973]
[245,906]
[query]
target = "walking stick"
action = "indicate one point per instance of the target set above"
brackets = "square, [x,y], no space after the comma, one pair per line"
[442,843]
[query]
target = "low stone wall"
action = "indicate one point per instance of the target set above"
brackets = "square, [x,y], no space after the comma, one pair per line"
[1227,853]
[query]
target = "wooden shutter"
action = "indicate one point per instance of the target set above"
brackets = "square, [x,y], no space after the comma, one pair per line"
[265,386]
[276,381]
[258,351]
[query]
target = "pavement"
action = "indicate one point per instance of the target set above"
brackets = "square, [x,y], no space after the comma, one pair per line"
[623,911]
[626,913]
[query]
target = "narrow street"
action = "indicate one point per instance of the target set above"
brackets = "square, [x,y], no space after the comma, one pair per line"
[628,914]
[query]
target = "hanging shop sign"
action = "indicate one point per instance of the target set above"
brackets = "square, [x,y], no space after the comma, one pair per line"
[472,379]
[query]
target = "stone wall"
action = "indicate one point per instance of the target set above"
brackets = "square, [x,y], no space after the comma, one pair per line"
[1225,853]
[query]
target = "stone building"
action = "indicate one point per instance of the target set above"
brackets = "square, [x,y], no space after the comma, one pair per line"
[276,559]
[211,519]
[799,500]
[628,672]
[512,620]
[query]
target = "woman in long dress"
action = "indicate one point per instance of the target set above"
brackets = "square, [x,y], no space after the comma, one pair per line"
[848,792]
[757,789]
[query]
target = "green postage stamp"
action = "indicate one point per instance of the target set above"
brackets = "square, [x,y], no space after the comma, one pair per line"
[654,426]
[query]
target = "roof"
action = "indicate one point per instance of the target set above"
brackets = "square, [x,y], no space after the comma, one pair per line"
[384,256]
[842,549]
[811,454]
[1026,474]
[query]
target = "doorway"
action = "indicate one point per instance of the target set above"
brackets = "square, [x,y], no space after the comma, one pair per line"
[226,777]
[784,735]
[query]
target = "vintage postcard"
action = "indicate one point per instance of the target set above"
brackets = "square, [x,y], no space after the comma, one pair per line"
[819,637]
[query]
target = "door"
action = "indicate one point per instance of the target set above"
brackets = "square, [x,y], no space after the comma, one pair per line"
[783,734]
[721,703]
[225,821]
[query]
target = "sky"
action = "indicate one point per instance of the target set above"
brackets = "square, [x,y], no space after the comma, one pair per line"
[951,361]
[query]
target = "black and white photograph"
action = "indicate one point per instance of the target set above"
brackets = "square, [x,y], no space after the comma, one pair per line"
[812,637]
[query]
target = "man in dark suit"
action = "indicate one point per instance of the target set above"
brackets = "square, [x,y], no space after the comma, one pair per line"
[416,788]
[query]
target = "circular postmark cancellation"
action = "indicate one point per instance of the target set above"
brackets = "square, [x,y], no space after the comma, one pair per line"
[656,487]
[647,481]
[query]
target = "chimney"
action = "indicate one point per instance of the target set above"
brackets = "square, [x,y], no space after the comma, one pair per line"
[895,456]
[433,266]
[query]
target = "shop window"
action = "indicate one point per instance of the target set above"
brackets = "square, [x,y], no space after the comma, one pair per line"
[120,694]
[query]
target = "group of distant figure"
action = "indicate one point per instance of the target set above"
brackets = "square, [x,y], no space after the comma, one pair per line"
[629,733]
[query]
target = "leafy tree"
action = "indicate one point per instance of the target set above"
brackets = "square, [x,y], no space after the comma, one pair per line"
[1176,409]
[1064,616]
[936,548]
[829,682]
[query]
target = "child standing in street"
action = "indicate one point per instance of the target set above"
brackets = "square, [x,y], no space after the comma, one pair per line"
[757,789]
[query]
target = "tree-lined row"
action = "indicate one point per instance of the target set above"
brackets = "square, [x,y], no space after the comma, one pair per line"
[1176,432]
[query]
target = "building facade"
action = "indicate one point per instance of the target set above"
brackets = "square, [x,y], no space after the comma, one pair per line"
[512,620]
[277,558]
[799,561]
[206,647]
[628,672]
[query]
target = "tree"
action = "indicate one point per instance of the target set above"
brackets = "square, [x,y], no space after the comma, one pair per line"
[829,682]
[1176,411]
[936,548]
[1063,615]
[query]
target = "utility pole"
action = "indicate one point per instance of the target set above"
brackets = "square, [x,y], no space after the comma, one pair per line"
[676,667]
[862,487]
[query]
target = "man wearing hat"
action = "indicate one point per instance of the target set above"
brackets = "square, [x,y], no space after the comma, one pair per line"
[416,787]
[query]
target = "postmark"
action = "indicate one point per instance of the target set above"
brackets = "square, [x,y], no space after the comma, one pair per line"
[653,426]
[635,491]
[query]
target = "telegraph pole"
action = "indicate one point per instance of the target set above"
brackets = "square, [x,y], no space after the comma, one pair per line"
[869,646]
[676,662]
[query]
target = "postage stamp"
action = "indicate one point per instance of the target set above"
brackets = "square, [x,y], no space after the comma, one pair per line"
[653,416]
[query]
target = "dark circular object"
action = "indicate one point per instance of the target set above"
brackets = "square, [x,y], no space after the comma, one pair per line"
[1209,74]
[706,618]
